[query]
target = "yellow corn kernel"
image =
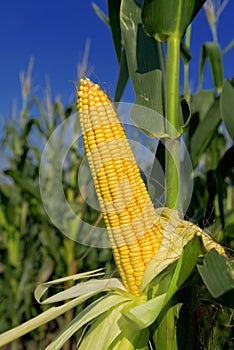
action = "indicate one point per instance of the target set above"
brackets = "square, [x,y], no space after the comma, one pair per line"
[133,226]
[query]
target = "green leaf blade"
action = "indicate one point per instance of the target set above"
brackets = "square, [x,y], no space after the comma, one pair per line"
[227,107]
[185,266]
[144,58]
[204,132]
[217,273]
[165,18]
[114,20]
[91,312]
[145,314]
[211,51]
[122,78]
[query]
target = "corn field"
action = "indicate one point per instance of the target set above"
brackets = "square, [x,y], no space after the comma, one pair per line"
[101,249]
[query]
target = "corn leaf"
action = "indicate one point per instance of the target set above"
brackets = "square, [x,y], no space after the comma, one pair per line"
[227,107]
[165,336]
[100,14]
[114,23]
[133,340]
[43,287]
[114,20]
[32,122]
[185,266]
[205,132]
[185,53]
[25,184]
[164,18]
[104,330]
[92,311]
[144,57]
[38,321]
[122,78]
[201,102]
[217,273]
[145,314]
[93,286]
[211,51]
[228,47]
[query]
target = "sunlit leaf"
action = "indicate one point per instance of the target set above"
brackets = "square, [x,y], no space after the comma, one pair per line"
[104,330]
[145,314]
[94,286]
[91,312]
[132,340]
[43,287]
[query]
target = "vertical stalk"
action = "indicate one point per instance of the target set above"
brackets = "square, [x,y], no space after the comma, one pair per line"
[172,122]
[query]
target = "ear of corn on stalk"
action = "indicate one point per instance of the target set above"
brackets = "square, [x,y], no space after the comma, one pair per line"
[136,231]
[131,220]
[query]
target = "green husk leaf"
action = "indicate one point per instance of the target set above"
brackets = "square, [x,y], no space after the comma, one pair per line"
[165,335]
[43,287]
[91,312]
[104,330]
[84,288]
[185,265]
[145,314]
[133,340]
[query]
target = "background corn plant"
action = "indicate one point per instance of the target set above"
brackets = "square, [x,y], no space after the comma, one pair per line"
[25,227]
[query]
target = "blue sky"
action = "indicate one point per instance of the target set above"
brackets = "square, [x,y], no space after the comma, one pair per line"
[55,33]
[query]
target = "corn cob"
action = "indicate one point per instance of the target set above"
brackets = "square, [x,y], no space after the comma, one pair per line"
[132,223]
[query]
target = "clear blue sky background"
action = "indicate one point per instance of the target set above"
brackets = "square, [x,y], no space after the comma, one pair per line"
[55,33]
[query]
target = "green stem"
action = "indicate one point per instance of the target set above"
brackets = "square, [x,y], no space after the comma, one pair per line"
[172,121]
[214,33]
